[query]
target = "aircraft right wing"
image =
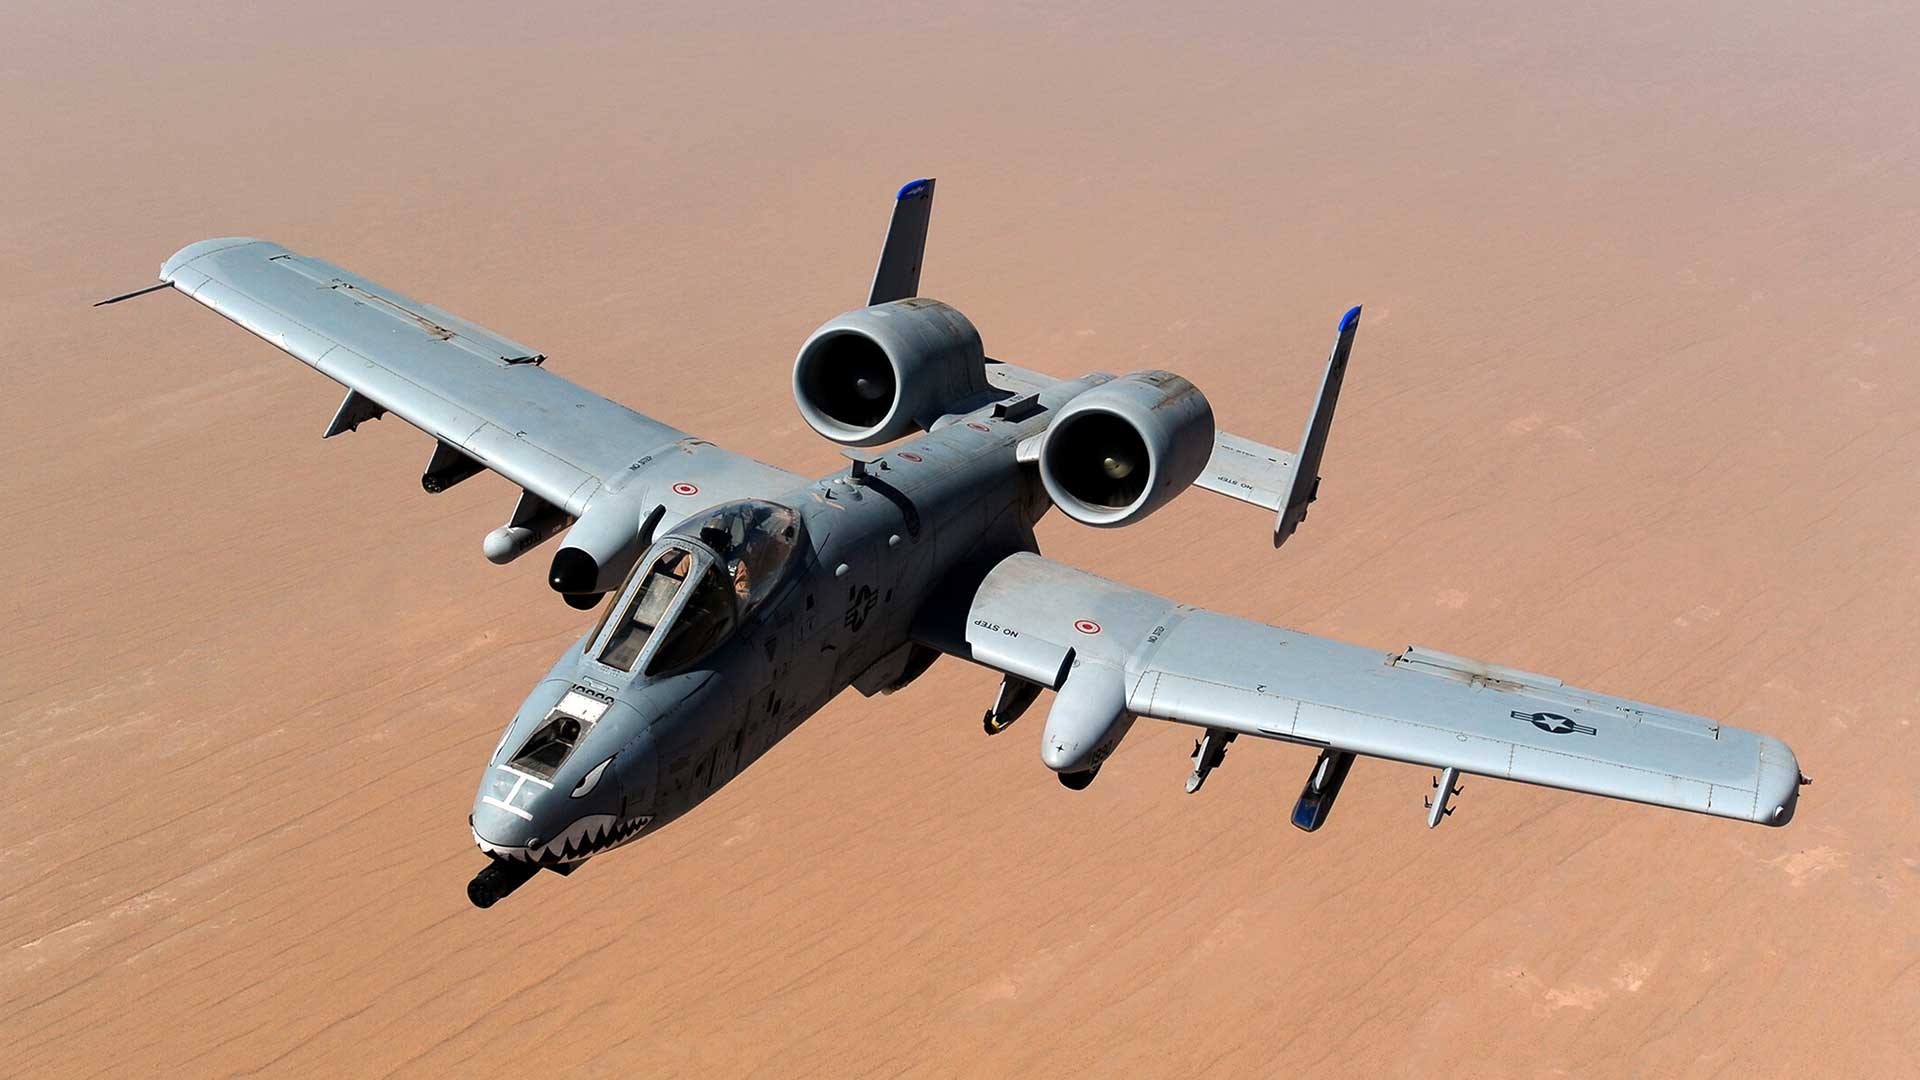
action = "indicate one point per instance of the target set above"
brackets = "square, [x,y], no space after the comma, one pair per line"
[1058,627]
[485,398]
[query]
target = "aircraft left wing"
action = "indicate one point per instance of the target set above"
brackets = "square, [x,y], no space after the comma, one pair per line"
[1054,625]
[485,398]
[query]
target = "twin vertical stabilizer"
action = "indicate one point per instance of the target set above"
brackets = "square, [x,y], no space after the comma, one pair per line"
[1306,467]
[898,275]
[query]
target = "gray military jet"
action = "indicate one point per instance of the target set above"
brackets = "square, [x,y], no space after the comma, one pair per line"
[745,597]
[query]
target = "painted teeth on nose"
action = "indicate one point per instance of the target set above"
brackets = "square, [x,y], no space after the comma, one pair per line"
[583,836]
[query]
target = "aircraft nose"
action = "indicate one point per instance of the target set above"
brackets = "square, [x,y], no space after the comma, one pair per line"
[500,830]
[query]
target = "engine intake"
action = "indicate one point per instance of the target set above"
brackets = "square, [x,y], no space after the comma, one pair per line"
[880,373]
[1121,450]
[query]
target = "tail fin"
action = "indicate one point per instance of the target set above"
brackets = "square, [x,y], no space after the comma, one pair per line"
[898,275]
[1306,468]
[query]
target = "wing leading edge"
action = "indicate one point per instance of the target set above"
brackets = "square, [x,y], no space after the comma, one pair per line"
[1198,667]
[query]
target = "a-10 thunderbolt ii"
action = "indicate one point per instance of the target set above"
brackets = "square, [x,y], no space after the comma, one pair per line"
[745,598]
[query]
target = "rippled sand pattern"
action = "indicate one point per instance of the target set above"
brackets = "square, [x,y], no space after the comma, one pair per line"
[1635,403]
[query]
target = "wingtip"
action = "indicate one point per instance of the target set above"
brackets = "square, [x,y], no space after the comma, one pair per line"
[199,249]
[914,189]
[1348,320]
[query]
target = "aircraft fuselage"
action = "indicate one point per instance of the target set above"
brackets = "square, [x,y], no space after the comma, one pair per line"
[881,537]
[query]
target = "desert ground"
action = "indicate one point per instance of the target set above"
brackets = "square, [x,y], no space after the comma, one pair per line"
[1634,403]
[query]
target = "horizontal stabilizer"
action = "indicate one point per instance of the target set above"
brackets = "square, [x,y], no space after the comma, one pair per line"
[1246,470]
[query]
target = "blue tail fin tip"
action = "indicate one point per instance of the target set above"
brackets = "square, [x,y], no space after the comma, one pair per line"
[914,188]
[1351,317]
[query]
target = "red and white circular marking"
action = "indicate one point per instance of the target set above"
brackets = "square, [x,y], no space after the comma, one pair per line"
[684,488]
[978,426]
[911,456]
[1086,626]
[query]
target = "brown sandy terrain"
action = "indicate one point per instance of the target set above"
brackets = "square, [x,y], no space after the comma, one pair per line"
[1634,403]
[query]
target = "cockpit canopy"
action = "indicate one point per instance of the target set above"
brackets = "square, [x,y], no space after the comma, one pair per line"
[756,541]
[700,581]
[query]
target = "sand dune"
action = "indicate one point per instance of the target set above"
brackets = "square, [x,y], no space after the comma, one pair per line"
[1634,403]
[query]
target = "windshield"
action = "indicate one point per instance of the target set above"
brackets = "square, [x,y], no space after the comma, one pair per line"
[648,606]
[692,602]
[703,623]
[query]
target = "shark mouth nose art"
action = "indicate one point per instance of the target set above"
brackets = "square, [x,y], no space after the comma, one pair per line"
[589,835]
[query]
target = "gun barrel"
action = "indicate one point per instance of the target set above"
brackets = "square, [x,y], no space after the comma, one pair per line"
[500,878]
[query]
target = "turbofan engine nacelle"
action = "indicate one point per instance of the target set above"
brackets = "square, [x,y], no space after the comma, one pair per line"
[602,546]
[1119,451]
[880,373]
